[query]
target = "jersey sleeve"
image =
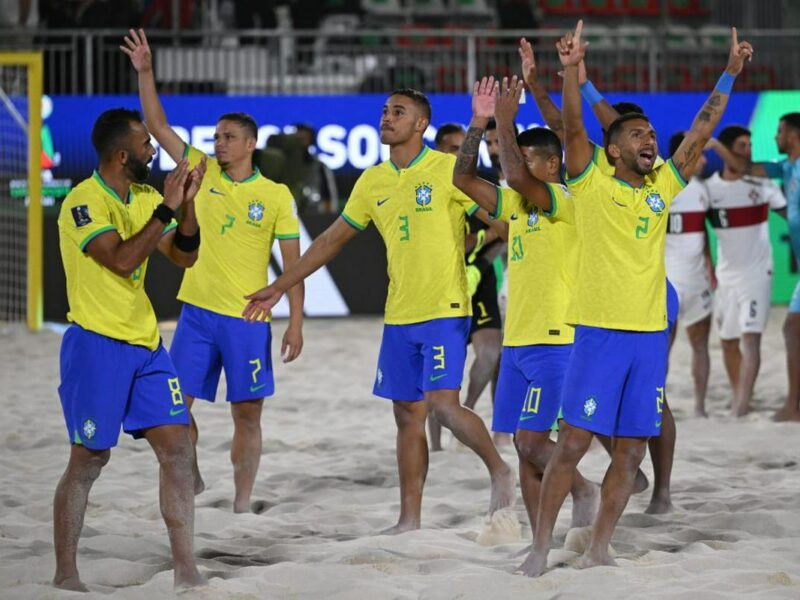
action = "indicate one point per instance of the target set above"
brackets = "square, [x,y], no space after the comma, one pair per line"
[467,203]
[775,196]
[195,156]
[562,209]
[508,202]
[357,210]
[774,169]
[584,180]
[669,181]
[83,218]
[287,227]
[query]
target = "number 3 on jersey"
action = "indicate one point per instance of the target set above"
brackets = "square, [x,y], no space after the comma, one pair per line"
[405,232]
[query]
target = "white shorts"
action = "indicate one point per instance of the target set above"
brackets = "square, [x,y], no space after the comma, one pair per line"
[742,307]
[697,301]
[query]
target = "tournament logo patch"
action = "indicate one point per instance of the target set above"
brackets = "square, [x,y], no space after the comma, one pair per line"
[89,429]
[81,215]
[590,406]
[424,195]
[655,202]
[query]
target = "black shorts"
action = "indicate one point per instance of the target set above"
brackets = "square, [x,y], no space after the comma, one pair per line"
[485,308]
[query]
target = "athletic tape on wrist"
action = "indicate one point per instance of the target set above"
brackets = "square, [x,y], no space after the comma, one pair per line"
[725,83]
[163,213]
[590,93]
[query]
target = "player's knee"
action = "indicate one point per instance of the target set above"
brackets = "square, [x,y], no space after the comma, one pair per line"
[443,412]
[531,448]
[630,455]
[572,444]
[791,329]
[94,464]
[411,414]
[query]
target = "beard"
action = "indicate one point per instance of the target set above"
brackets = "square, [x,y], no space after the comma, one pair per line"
[138,170]
[495,160]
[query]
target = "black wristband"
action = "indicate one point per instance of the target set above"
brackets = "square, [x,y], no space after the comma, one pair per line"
[187,243]
[163,213]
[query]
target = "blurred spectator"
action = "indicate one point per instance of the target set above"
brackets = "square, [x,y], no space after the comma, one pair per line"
[18,13]
[319,192]
[255,14]
[158,14]
[68,14]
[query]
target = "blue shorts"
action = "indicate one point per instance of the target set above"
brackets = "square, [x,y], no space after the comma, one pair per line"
[528,394]
[673,305]
[421,357]
[794,303]
[205,342]
[106,383]
[615,381]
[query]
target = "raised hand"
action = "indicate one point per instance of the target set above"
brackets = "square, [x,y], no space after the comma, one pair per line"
[261,302]
[175,183]
[484,93]
[571,49]
[507,100]
[138,50]
[528,62]
[194,181]
[740,51]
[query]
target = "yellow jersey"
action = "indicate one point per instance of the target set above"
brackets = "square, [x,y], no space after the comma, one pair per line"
[621,280]
[542,261]
[100,300]
[239,220]
[421,216]
[601,160]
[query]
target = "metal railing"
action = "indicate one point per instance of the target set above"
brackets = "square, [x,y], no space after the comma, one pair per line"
[626,58]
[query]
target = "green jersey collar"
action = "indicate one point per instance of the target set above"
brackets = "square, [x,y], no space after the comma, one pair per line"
[99,179]
[416,160]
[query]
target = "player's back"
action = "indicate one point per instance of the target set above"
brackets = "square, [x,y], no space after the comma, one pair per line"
[739,212]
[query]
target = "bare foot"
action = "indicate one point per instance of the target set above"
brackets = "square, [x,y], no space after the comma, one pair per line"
[400,528]
[504,489]
[587,561]
[241,506]
[659,506]
[72,583]
[585,505]
[534,565]
[640,483]
[785,414]
[740,411]
[502,439]
[191,578]
[700,413]
[436,447]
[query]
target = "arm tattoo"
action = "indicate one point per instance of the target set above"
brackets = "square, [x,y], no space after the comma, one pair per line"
[511,159]
[715,99]
[466,163]
[704,115]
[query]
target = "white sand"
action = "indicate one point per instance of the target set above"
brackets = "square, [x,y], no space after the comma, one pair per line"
[328,483]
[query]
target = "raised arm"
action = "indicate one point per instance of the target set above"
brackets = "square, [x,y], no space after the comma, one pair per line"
[511,160]
[465,173]
[579,151]
[550,112]
[710,114]
[602,109]
[138,50]
[320,253]
[123,257]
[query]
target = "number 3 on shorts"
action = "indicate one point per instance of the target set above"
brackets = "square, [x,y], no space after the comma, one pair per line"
[439,357]
[175,390]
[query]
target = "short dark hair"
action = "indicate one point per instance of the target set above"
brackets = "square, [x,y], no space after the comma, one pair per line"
[447,129]
[731,133]
[616,127]
[792,120]
[111,128]
[623,108]
[491,125]
[675,142]
[244,121]
[420,99]
[541,140]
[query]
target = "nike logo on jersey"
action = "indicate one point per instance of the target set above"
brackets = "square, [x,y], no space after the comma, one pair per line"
[513,217]
[527,417]
[215,191]
[614,200]
[176,411]
[437,377]
[658,423]
[255,388]
[484,320]
[382,202]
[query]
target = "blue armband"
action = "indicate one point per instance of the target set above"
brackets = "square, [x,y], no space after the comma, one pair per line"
[590,93]
[725,83]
